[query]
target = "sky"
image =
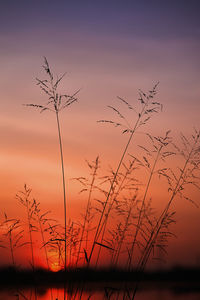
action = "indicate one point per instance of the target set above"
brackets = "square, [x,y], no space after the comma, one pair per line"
[107,49]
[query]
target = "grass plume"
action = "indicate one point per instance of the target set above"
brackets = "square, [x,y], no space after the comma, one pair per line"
[56,103]
[148,108]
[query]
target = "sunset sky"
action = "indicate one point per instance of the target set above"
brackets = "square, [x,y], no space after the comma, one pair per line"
[107,49]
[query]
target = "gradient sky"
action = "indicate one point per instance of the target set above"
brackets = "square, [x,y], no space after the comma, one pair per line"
[108,49]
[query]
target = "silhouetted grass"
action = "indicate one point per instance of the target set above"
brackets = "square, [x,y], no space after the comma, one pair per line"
[56,103]
[119,220]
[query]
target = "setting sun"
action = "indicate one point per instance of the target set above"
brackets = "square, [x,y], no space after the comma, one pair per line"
[55,267]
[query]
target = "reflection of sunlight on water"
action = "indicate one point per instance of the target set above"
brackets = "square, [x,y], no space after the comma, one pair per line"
[58,294]
[45,294]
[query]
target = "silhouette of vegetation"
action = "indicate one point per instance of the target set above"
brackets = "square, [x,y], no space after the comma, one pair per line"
[119,221]
[13,232]
[56,103]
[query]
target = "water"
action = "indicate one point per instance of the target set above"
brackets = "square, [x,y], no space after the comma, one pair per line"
[58,294]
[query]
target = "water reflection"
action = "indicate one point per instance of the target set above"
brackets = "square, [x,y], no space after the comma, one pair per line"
[58,294]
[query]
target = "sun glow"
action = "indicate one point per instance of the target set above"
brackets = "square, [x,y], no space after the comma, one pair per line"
[55,267]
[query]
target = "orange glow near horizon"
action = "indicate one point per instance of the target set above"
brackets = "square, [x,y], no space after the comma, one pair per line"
[47,189]
[55,267]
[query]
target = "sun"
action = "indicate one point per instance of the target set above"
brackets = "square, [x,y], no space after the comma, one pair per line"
[55,267]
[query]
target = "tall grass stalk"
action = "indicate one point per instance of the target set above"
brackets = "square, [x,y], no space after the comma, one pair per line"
[42,220]
[120,186]
[93,167]
[149,106]
[161,142]
[56,103]
[124,231]
[28,203]
[10,238]
[73,232]
[64,186]
[54,243]
[14,234]
[187,176]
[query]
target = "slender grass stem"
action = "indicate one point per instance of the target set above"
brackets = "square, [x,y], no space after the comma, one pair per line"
[142,207]
[156,230]
[104,224]
[30,233]
[11,249]
[43,241]
[95,167]
[106,202]
[98,230]
[9,231]
[64,186]
[64,196]
[44,244]
[56,103]
[116,257]
[162,217]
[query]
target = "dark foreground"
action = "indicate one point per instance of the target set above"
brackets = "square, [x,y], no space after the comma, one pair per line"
[178,279]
